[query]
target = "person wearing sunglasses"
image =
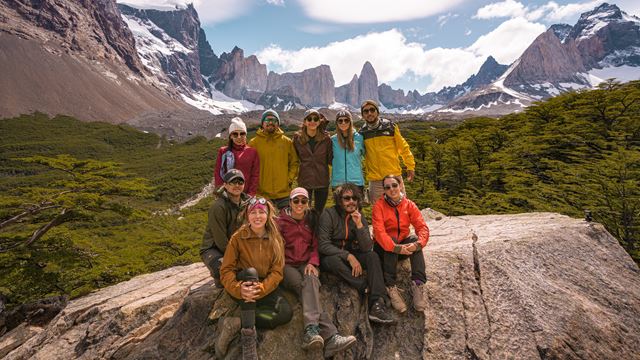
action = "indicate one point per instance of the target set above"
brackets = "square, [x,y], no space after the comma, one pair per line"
[384,146]
[278,160]
[346,250]
[393,214]
[297,224]
[314,150]
[238,155]
[252,269]
[223,221]
[348,151]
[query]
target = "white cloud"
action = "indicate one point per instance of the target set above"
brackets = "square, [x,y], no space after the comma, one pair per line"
[560,12]
[374,11]
[443,19]
[507,8]
[508,41]
[209,11]
[467,32]
[276,2]
[551,11]
[631,7]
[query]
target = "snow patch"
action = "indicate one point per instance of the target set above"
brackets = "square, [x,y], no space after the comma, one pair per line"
[219,103]
[163,5]
[622,73]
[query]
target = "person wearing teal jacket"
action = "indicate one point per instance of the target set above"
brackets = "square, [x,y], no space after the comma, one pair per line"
[348,151]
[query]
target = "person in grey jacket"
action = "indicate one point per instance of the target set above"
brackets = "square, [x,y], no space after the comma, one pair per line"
[223,221]
[346,247]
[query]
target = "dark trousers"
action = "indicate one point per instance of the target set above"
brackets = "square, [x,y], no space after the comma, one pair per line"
[369,261]
[307,287]
[269,312]
[320,196]
[390,263]
[212,259]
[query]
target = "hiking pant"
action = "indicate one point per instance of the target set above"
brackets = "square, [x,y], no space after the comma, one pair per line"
[212,259]
[373,278]
[307,287]
[269,312]
[390,263]
[320,196]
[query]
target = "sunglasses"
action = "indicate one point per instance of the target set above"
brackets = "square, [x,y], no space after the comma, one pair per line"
[271,120]
[238,134]
[237,182]
[369,110]
[312,119]
[302,201]
[343,121]
[257,200]
[349,198]
[394,185]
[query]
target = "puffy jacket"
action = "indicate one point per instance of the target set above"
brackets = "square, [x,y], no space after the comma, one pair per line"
[313,171]
[391,224]
[347,165]
[278,163]
[338,234]
[222,223]
[247,161]
[300,243]
[384,145]
[246,249]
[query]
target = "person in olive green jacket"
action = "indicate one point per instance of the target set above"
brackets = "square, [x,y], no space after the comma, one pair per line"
[223,221]
[278,160]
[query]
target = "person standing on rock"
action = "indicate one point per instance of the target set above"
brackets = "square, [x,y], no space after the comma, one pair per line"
[251,270]
[392,216]
[346,248]
[278,160]
[384,146]
[314,151]
[223,221]
[297,224]
[348,151]
[237,155]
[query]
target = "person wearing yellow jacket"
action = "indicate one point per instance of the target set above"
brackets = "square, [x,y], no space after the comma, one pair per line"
[278,160]
[384,145]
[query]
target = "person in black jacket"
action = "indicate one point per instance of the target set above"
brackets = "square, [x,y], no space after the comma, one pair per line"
[346,247]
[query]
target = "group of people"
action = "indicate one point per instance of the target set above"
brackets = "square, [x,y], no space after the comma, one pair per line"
[261,234]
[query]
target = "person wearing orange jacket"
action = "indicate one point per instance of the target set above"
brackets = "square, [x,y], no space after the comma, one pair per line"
[392,215]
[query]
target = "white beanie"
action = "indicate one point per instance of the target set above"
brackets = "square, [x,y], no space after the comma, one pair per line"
[237,124]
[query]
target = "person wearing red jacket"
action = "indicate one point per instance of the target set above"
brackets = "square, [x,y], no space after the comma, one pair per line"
[392,215]
[297,224]
[238,155]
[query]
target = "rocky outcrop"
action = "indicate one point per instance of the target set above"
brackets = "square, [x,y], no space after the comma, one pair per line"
[367,84]
[392,98]
[237,74]
[525,286]
[314,87]
[348,93]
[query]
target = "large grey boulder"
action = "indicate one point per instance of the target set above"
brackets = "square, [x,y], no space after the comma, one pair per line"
[527,286]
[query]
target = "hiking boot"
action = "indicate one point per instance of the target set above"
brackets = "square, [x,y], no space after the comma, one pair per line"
[378,313]
[338,343]
[228,330]
[312,338]
[248,340]
[396,299]
[419,302]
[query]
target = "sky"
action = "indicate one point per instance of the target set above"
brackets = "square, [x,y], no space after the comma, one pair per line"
[412,44]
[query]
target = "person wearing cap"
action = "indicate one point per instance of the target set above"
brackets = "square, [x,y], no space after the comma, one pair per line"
[348,151]
[278,159]
[238,155]
[223,221]
[384,146]
[346,247]
[314,151]
[251,271]
[297,224]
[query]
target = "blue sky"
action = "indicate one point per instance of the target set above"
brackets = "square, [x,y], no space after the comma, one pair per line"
[412,44]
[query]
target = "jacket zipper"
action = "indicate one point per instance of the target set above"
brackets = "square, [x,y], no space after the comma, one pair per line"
[398,220]
[346,231]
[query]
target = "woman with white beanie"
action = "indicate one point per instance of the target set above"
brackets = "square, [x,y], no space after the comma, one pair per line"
[238,155]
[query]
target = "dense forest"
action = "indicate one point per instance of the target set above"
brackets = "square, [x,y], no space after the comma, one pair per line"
[86,205]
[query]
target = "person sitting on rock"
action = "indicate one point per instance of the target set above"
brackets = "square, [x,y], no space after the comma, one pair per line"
[297,224]
[251,270]
[393,213]
[223,221]
[347,249]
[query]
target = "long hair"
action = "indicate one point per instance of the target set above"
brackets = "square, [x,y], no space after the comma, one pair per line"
[345,142]
[275,238]
[304,137]
[340,190]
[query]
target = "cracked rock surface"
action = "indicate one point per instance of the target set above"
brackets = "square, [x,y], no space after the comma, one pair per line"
[526,286]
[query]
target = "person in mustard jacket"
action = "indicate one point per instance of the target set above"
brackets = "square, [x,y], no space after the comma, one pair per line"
[384,146]
[392,215]
[278,160]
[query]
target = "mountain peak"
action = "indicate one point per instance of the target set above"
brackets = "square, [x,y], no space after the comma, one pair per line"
[561,31]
